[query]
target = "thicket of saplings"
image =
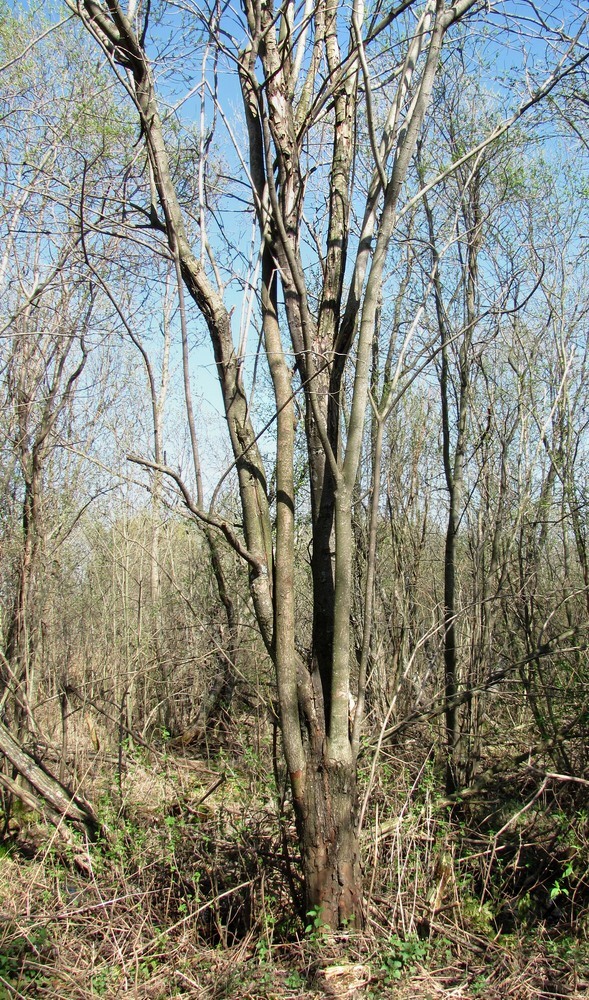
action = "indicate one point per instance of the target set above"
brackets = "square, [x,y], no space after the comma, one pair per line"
[140,704]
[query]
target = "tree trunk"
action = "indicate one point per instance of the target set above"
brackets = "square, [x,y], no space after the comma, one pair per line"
[17,672]
[329,845]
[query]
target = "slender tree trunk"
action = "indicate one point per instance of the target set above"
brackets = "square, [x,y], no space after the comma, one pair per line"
[17,671]
[454,443]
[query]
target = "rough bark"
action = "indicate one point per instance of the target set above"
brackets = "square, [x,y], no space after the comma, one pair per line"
[329,844]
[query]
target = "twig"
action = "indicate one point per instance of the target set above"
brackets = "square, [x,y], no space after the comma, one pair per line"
[193,809]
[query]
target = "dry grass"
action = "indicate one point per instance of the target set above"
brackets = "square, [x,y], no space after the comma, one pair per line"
[192,897]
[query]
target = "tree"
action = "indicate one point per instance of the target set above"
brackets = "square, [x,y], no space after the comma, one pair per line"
[44,348]
[334,101]
[55,324]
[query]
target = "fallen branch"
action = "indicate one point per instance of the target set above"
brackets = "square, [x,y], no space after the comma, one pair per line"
[49,796]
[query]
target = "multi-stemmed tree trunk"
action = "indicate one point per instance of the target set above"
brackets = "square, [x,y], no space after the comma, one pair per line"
[327,156]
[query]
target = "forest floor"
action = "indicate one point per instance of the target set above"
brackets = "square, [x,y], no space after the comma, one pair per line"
[192,896]
[70,936]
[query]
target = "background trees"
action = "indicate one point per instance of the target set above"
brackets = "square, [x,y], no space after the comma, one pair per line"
[398,346]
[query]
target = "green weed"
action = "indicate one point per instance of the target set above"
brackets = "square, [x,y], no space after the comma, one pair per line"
[401,955]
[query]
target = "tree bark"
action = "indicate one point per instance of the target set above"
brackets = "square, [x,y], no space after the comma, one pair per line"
[329,844]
